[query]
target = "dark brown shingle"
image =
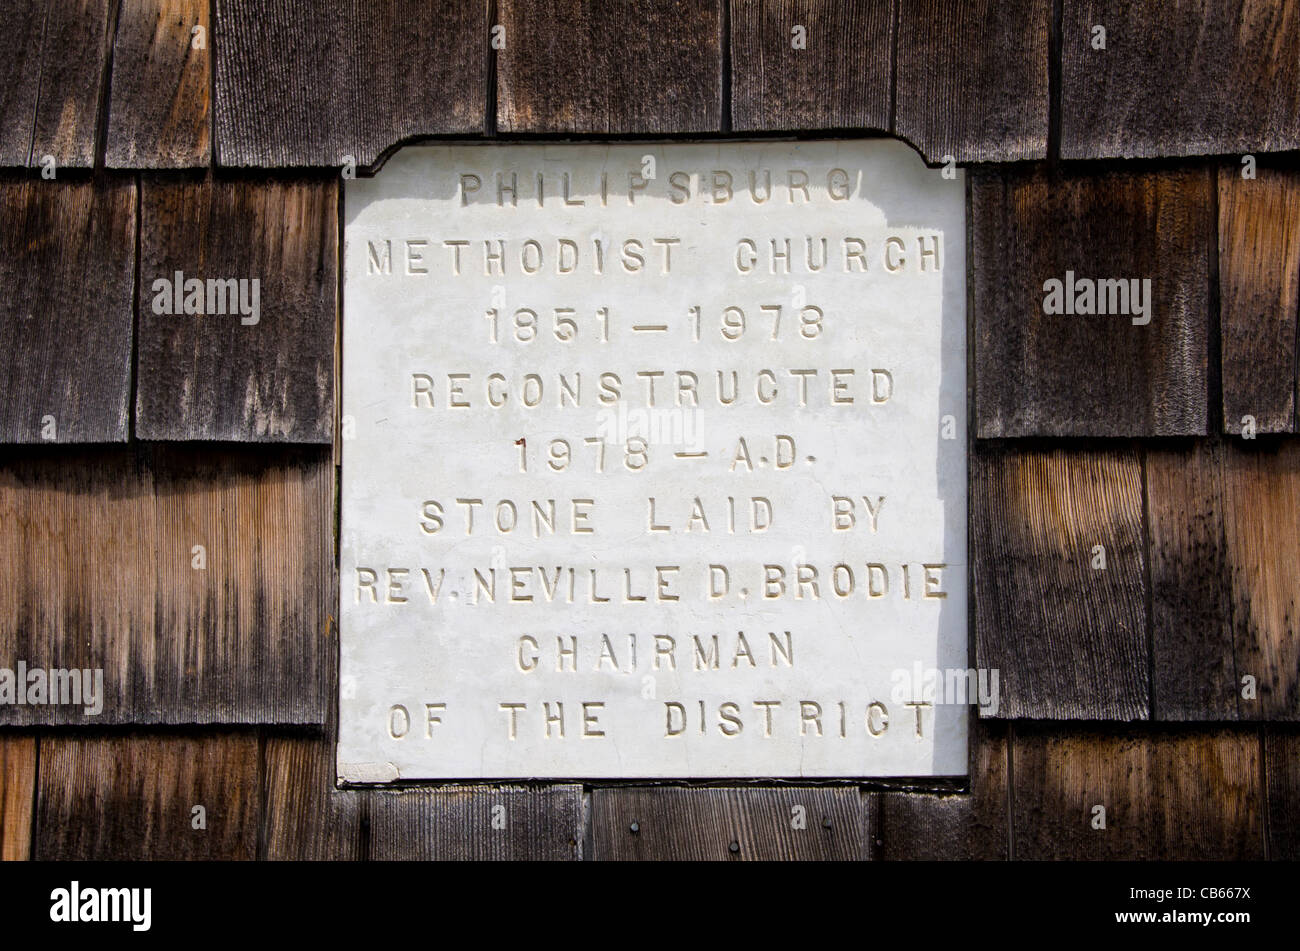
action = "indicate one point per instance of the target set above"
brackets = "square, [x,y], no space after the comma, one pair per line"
[587,66]
[1168,796]
[1259,292]
[840,79]
[305,817]
[160,109]
[1067,636]
[924,826]
[17,783]
[728,824]
[1225,579]
[220,376]
[1069,374]
[53,57]
[67,272]
[310,84]
[1179,79]
[971,79]
[1282,768]
[478,823]
[133,797]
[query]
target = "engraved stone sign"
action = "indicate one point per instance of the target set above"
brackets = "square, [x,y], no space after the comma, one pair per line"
[653,463]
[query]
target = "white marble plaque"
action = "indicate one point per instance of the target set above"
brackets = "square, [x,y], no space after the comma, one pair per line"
[653,463]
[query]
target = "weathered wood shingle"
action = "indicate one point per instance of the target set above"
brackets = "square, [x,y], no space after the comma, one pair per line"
[75,576]
[839,79]
[219,375]
[1259,292]
[133,797]
[53,59]
[1262,534]
[1282,776]
[305,818]
[1077,374]
[1067,635]
[199,582]
[1193,669]
[588,66]
[160,103]
[67,275]
[971,80]
[1181,78]
[246,639]
[311,84]
[476,823]
[726,824]
[20,70]
[1167,795]
[1225,582]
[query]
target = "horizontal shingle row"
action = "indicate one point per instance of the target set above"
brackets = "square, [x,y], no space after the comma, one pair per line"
[1109,583]
[1145,240]
[1135,793]
[204,366]
[331,84]
[1141,582]
[1095,309]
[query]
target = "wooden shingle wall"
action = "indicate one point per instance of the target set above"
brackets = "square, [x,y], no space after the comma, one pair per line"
[167,491]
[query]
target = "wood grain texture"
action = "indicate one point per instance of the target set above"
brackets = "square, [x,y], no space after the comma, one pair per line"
[971,78]
[1039,374]
[160,104]
[97,571]
[1190,77]
[53,61]
[476,823]
[304,817]
[67,260]
[20,70]
[309,84]
[967,826]
[1069,640]
[1224,578]
[1282,778]
[587,66]
[1193,665]
[76,575]
[131,797]
[211,376]
[662,823]
[248,639]
[1167,795]
[1259,294]
[841,79]
[1262,512]
[17,786]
